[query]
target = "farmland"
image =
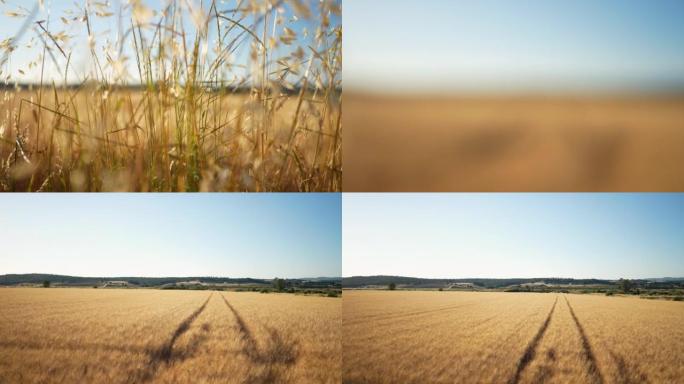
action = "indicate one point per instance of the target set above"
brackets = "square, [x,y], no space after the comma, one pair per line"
[116,148]
[215,96]
[497,337]
[513,143]
[158,336]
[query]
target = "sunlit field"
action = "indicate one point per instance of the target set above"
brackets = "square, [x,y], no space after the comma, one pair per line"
[77,335]
[513,143]
[194,96]
[406,336]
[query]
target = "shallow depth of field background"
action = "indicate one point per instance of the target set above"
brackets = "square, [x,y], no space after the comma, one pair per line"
[514,96]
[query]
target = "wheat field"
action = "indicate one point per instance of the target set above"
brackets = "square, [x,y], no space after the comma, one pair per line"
[75,335]
[192,96]
[506,143]
[495,337]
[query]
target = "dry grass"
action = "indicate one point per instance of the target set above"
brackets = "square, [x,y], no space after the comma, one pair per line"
[123,336]
[403,143]
[406,336]
[199,118]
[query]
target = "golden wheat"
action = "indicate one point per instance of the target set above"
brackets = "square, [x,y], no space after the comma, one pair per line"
[496,337]
[513,143]
[191,117]
[124,336]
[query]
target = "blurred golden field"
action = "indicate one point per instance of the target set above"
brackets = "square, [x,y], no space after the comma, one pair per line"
[513,143]
[73,335]
[496,337]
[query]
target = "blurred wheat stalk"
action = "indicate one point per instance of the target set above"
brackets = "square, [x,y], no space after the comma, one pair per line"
[193,118]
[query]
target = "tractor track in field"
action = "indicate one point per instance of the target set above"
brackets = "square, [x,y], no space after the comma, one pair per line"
[250,345]
[531,349]
[165,353]
[586,346]
[273,359]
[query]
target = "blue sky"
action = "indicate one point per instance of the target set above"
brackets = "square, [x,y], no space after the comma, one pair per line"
[230,235]
[524,45]
[514,235]
[106,28]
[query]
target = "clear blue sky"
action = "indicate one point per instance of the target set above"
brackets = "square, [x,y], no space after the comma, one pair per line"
[106,30]
[524,45]
[514,235]
[229,235]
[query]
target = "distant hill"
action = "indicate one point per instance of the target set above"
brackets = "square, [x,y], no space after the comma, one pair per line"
[365,281]
[320,278]
[667,279]
[39,278]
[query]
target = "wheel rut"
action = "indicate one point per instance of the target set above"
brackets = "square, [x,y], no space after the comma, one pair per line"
[165,354]
[586,346]
[273,359]
[530,351]
[560,350]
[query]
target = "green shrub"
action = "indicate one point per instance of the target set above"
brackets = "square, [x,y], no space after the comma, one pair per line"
[278,284]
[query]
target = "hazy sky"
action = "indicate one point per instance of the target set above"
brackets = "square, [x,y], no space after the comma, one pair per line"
[514,235]
[548,45]
[106,29]
[229,235]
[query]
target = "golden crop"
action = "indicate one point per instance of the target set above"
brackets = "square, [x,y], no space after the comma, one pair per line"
[514,143]
[124,336]
[489,337]
[232,100]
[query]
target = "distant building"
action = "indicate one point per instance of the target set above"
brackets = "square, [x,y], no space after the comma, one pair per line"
[460,285]
[192,282]
[535,284]
[116,283]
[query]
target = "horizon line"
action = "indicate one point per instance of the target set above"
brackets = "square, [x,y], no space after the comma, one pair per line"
[677,91]
[173,277]
[510,278]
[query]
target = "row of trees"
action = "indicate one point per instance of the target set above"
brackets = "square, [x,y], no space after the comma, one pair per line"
[625,285]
